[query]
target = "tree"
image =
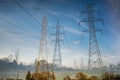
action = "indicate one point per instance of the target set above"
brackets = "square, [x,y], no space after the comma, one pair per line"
[93,78]
[81,76]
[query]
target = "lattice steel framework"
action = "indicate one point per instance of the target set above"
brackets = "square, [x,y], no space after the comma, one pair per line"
[43,49]
[95,59]
[57,49]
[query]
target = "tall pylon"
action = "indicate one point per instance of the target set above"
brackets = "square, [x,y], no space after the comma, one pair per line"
[43,49]
[95,59]
[17,55]
[75,65]
[57,49]
[81,64]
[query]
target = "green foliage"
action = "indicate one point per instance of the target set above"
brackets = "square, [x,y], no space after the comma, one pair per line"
[111,76]
[67,78]
[81,76]
[93,78]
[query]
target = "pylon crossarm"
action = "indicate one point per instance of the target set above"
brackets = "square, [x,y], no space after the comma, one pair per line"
[86,31]
[94,51]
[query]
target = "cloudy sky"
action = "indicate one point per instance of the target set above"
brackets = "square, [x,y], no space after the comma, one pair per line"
[20,28]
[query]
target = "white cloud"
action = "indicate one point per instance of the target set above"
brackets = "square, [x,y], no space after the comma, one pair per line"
[75,31]
[110,59]
[72,54]
[76,42]
[2,55]
[72,17]
[53,12]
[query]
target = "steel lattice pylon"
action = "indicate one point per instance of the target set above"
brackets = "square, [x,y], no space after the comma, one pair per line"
[95,59]
[43,49]
[57,50]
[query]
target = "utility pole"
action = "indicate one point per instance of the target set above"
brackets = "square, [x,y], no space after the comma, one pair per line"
[43,49]
[57,60]
[94,51]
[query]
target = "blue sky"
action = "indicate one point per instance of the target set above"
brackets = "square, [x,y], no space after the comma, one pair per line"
[24,32]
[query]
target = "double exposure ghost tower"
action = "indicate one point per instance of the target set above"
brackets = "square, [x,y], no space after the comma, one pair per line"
[57,60]
[95,59]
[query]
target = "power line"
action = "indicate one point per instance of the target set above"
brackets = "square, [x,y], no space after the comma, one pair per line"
[14,25]
[43,48]
[26,11]
[57,49]
[67,45]
[15,12]
[95,59]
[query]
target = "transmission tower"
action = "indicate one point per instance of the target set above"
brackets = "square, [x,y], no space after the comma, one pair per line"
[43,49]
[81,64]
[75,64]
[57,50]
[95,59]
[16,55]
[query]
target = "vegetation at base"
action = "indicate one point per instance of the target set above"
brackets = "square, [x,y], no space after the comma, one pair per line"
[81,76]
[110,76]
[45,75]
[84,76]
